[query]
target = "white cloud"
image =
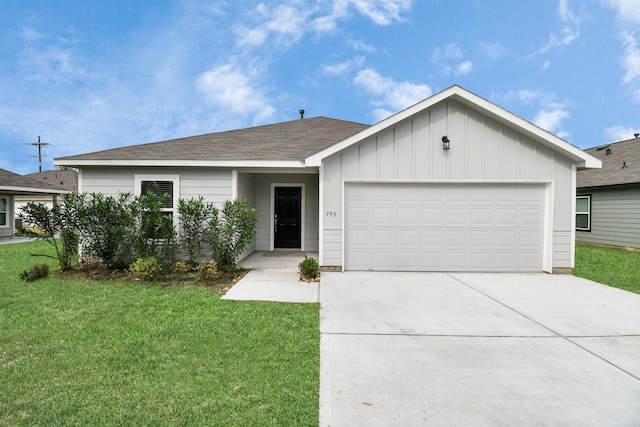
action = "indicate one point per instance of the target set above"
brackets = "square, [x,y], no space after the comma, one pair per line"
[631,63]
[343,67]
[231,89]
[550,120]
[550,112]
[492,50]
[389,94]
[382,12]
[628,10]
[449,58]
[284,22]
[464,68]
[287,23]
[621,133]
[568,34]
[448,51]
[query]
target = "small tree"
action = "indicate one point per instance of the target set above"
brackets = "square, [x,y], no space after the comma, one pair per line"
[61,221]
[231,231]
[195,214]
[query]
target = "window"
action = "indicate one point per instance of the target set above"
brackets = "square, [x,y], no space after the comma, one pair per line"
[3,212]
[160,185]
[583,213]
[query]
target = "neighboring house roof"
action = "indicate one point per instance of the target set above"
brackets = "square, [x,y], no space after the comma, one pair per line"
[17,184]
[60,179]
[620,165]
[287,144]
[500,115]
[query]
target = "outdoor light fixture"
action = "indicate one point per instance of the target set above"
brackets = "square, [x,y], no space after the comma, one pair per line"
[445,143]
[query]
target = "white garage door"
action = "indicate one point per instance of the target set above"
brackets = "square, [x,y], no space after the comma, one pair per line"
[444,227]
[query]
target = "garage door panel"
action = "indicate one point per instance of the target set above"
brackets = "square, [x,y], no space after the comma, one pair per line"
[408,216]
[455,239]
[431,239]
[432,216]
[444,227]
[456,216]
[481,239]
[384,216]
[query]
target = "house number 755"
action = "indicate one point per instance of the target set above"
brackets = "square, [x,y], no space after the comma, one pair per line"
[330,214]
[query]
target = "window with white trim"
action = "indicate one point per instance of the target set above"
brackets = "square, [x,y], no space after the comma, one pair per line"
[4,215]
[161,185]
[583,213]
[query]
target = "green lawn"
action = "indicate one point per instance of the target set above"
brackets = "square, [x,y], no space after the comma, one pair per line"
[613,267]
[78,352]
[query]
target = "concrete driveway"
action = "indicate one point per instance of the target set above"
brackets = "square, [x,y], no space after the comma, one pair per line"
[477,349]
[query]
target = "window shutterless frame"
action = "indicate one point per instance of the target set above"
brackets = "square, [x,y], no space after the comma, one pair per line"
[583,212]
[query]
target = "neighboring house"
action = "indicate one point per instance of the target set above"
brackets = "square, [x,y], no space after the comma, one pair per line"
[608,199]
[13,185]
[61,179]
[453,183]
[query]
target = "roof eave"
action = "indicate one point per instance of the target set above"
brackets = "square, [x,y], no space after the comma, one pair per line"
[28,190]
[183,163]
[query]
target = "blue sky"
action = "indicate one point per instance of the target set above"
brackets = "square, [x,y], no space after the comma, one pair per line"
[90,75]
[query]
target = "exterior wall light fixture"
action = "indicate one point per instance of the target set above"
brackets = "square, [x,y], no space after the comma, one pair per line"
[445,143]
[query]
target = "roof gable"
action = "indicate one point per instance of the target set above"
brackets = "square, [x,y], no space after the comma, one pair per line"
[291,141]
[463,96]
[620,165]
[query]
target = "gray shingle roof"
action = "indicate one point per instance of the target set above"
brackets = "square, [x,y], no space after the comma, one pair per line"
[288,141]
[60,179]
[10,180]
[620,165]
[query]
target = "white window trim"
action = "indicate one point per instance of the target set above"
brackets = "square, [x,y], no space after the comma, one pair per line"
[176,191]
[588,213]
[6,211]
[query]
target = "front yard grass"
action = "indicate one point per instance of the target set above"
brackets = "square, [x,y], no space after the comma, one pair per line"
[83,352]
[613,267]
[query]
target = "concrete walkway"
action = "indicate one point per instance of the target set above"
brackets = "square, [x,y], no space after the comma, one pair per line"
[466,349]
[274,277]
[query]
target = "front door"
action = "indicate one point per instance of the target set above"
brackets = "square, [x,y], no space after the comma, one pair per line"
[287,217]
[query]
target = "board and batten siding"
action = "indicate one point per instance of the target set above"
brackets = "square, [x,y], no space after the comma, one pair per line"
[615,217]
[480,150]
[214,185]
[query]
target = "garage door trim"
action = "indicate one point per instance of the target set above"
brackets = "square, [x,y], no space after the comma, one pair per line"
[548,207]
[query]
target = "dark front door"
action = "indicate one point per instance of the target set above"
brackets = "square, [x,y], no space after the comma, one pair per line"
[287,221]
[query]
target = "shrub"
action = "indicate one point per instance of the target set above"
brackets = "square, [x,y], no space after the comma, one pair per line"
[231,231]
[39,271]
[152,232]
[194,216]
[309,267]
[146,269]
[181,267]
[103,226]
[208,271]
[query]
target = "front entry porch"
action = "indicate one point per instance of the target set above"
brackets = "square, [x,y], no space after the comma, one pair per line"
[287,206]
[274,277]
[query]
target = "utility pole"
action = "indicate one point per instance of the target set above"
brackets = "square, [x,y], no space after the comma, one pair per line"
[39,156]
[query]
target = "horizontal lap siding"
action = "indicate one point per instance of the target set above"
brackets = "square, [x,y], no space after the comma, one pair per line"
[615,218]
[214,185]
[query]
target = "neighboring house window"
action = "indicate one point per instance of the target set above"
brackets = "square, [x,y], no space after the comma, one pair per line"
[160,185]
[3,212]
[583,213]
